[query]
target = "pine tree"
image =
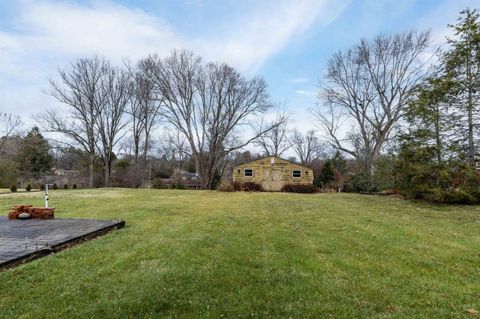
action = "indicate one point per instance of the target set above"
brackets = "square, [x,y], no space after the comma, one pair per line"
[431,121]
[462,65]
[33,156]
[339,163]
[327,174]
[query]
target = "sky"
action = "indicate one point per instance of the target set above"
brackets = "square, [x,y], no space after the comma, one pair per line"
[288,43]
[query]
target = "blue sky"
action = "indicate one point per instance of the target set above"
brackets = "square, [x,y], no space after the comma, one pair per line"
[286,42]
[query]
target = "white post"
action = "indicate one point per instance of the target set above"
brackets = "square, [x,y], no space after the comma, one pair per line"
[46,195]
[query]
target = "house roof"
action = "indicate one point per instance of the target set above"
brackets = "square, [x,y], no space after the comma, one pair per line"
[264,157]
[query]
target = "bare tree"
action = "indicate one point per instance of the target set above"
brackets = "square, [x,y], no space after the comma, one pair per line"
[110,122]
[8,124]
[208,104]
[144,108]
[306,146]
[134,110]
[367,88]
[81,89]
[274,142]
[175,146]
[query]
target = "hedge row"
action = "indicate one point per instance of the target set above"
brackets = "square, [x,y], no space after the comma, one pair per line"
[299,188]
[227,186]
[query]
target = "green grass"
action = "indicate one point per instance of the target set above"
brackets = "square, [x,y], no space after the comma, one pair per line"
[20,190]
[270,255]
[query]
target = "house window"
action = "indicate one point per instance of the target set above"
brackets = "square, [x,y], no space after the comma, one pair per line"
[248,172]
[296,173]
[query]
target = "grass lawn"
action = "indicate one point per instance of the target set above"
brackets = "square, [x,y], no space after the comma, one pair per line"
[270,255]
[20,190]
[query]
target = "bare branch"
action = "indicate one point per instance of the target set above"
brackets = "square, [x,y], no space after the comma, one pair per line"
[9,123]
[369,86]
[208,104]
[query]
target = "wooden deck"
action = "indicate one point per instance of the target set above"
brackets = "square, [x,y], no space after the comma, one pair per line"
[24,240]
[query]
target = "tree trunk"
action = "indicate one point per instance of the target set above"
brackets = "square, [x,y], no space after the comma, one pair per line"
[136,146]
[471,144]
[438,143]
[91,174]
[107,173]
[146,145]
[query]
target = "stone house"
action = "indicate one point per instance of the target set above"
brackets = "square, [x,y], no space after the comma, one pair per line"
[272,173]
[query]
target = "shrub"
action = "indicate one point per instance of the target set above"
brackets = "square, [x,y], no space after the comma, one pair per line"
[226,186]
[55,186]
[418,191]
[348,188]
[42,187]
[28,187]
[178,186]
[252,187]
[455,195]
[299,188]
[458,196]
[157,183]
[74,186]
[361,182]
[13,188]
[476,194]
[434,195]
[237,186]
[65,186]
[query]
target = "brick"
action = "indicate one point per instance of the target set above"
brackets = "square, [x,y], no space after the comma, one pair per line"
[35,212]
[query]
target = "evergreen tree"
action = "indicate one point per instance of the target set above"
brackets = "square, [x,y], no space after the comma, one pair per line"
[339,163]
[437,153]
[33,155]
[327,174]
[462,66]
[432,122]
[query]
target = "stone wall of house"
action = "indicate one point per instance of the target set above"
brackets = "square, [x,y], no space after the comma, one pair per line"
[272,173]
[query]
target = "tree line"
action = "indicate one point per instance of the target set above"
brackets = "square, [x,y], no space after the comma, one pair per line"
[408,112]
[439,148]
[400,112]
[205,109]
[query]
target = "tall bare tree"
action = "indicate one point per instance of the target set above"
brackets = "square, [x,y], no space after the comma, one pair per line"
[81,90]
[8,124]
[306,146]
[134,110]
[274,142]
[367,87]
[144,108]
[208,104]
[110,123]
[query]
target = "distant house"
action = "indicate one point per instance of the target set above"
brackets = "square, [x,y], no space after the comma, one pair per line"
[182,178]
[63,177]
[272,173]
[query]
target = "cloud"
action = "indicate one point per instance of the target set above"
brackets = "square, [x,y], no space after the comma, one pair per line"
[107,29]
[46,35]
[65,28]
[255,38]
